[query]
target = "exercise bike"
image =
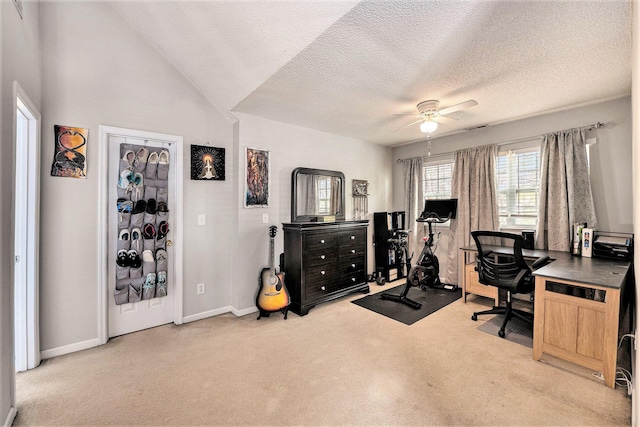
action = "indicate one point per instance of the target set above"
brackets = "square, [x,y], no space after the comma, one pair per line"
[426,272]
[427,269]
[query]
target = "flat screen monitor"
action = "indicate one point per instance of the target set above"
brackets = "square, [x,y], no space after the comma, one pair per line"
[440,207]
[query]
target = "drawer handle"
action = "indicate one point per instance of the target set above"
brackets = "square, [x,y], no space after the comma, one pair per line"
[323,272]
[353,266]
[353,279]
[322,288]
[353,237]
[353,251]
[322,257]
[322,241]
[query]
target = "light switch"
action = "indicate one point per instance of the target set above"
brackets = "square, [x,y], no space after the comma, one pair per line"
[265,218]
[201,219]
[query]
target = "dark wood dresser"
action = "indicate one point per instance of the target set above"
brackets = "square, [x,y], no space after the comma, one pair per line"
[324,261]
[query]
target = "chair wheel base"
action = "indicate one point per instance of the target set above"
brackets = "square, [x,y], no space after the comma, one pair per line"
[474,317]
[501,333]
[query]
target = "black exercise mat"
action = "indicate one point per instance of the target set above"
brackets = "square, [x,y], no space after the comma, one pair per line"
[517,330]
[431,299]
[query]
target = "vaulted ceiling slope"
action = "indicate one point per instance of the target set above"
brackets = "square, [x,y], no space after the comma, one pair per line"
[348,67]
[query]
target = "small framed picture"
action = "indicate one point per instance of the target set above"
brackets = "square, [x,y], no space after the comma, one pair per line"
[70,154]
[360,187]
[207,163]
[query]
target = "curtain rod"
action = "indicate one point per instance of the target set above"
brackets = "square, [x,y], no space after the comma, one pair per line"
[596,125]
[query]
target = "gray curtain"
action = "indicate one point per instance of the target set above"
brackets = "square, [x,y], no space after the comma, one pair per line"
[336,195]
[565,190]
[473,184]
[414,199]
[311,206]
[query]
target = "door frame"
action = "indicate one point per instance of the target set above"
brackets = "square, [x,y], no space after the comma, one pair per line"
[103,221]
[27,354]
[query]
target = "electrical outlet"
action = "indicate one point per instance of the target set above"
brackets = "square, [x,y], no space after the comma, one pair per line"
[201,219]
[200,288]
[265,218]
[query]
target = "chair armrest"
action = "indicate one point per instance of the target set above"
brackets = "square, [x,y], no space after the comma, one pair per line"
[540,262]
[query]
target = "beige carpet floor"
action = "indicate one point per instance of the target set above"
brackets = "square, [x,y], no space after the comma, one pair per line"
[339,365]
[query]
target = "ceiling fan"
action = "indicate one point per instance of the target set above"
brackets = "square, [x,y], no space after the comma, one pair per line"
[430,115]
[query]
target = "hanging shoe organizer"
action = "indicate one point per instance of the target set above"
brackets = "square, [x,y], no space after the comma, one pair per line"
[143,224]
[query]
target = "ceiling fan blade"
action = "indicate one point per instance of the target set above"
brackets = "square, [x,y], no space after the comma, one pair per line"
[443,119]
[457,107]
[410,124]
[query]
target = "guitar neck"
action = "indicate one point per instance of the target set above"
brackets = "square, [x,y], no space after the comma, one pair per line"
[272,266]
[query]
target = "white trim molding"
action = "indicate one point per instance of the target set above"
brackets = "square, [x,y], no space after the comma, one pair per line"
[11,416]
[218,312]
[70,348]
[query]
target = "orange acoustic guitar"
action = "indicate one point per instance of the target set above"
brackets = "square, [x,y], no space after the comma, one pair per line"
[272,295]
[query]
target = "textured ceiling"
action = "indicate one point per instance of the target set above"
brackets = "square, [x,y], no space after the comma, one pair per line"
[348,67]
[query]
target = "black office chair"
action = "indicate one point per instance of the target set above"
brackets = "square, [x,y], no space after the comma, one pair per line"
[508,272]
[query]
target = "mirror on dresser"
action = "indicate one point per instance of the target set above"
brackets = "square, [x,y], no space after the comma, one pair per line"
[316,194]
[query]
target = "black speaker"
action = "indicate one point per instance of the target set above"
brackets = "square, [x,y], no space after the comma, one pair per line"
[528,236]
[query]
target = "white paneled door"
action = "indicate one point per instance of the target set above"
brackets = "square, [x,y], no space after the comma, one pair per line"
[143,277]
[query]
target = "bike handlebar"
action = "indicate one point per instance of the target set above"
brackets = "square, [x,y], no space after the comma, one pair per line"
[433,217]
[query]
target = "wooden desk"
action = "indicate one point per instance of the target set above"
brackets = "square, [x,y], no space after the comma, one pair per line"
[577,308]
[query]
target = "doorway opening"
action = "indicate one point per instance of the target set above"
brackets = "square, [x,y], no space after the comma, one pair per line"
[130,177]
[26,230]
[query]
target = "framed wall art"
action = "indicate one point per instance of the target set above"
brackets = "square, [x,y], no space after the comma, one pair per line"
[70,152]
[257,177]
[359,187]
[207,163]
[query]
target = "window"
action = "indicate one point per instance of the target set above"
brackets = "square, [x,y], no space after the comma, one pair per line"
[324,195]
[436,180]
[518,182]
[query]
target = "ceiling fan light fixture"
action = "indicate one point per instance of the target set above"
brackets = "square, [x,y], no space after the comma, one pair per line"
[428,126]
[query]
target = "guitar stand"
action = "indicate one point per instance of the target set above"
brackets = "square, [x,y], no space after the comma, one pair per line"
[262,313]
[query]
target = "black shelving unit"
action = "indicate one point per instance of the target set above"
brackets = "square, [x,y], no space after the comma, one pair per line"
[388,260]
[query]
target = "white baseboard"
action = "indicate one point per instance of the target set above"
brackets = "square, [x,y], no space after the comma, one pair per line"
[219,311]
[206,314]
[66,349]
[83,345]
[10,417]
[244,312]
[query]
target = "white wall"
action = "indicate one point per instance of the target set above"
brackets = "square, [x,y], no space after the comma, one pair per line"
[635,108]
[99,71]
[610,158]
[19,60]
[293,147]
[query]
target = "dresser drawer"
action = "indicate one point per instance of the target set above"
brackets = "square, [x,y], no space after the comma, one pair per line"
[353,237]
[320,289]
[323,272]
[354,278]
[322,256]
[356,249]
[319,241]
[351,263]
